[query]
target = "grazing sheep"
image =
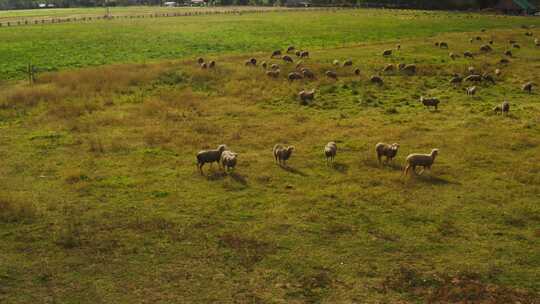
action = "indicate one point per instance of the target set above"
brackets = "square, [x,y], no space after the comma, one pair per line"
[357,71]
[409,69]
[488,78]
[527,87]
[453,56]
[516,46]
[387,53]
[307,73]
[470,70]
[504,61]
[387,150]
[508,53]
[529,34]
[497,72]
[274,67]
[228,160]
[294,76]
[490,42]
[251,62]
[456,80]
[290,49]
[335,62]
[200,60]
[437,44]
[276,53]
[401,66]
[209,156]
[347,62]
[536,42]
[298,53]
[398,47]
[287,58]
[474,77]
[388,68]
[468,54]
[376,80]
[478,38]
[430,102]
[471,91]
[304,54]
[503,108]
[204,65]
[273,73]
[282,154]
[486,48]
[330,151]
[420,160]
[471,40]
[212,64]
[443,45]
[331,74]
[306,96]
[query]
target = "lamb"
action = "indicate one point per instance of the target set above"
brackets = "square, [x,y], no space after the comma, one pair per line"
[504,108]
[486,48]
[306,96]
[387,150]
[282,154]
[468,54]
[330,151]
[273,73]
[430,102]
[347,62]
[331,74]
[200,60]
[423,160]
[387,53]
[287,58]
[473,77]
[443,45]
[527,87]
[471,91]
[209,156]
[228,160]
[276,53]
[304,54]
[376,80]
[290,49]
[294,76]
[307,73]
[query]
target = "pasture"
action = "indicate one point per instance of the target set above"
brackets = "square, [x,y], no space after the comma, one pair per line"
[101,200]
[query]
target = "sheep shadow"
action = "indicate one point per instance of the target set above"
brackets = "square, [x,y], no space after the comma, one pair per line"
[339,167]
[222,175]
[238,178]
[433,180]
[292,170]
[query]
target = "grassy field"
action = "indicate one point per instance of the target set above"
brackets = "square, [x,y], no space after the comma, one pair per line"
[101,201]
[75,45]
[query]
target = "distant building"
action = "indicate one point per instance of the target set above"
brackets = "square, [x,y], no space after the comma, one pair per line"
[518,7]
[170,4]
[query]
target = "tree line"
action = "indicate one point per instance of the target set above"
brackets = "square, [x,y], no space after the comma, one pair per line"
[424,4]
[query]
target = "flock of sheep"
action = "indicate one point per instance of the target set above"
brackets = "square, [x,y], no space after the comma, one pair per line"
[227,159]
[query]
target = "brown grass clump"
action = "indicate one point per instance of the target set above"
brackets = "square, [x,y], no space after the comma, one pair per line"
[13,210]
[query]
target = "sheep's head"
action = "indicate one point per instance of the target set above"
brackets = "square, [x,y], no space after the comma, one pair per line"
[395,146]
[290,149]
[222,148]
[434,153]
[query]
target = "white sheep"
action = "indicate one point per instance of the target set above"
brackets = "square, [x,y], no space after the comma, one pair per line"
[228,160]
[387,150]
[330,151]
[471,91]
[420,160]
[282,154]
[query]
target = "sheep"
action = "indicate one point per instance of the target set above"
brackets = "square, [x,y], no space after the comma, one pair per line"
[437,44]
[251,62]
[304,54]
[228,160]
[209,156]
[306,96]
[504,61]
[401,66]
[347,62]
[282,154]
[471,91]
[470,70]
[331,74]
[307,73]
[490,42]
[516,46]
[298,53]
[504,108]
[508,53]
[264,65]
[443,45]
[274,67]
[290,49]
[376,80]
[497,72]
[200,60]
[456,80]
[527,87]
[330,151]
[511,41]
[430,102]
[387,53]
[478,38]
[529,34]
[212,64]
[204,65]
[357,71]
[276,53]
[294,76]
[453,56]
[486,48]
[335,62]
[488,78]
[468,54]
[409,69]
[287,58]
[471,40]
[273,73]
[398,47]
[473,77]
[423,160]
[388,68]
[536,42]
[387,150]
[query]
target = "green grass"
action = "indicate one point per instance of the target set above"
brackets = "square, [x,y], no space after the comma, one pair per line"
[101,201]
[74,45]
